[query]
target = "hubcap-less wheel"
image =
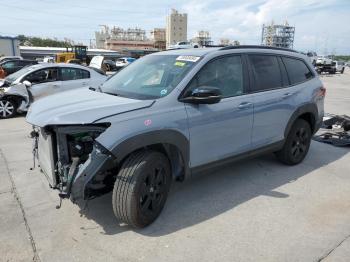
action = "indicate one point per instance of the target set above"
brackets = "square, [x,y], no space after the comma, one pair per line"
[153,191]
[7,108]
[297,143]
[300,143]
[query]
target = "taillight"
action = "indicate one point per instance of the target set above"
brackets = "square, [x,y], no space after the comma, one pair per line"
[321,92]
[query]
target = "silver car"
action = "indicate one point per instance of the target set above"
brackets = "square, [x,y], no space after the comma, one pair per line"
[29,84]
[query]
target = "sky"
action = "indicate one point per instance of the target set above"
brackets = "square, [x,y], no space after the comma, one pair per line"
[321,25]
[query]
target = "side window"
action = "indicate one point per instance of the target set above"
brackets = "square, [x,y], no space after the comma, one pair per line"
[266,71]
[68,73]
[9,65]
[43,76]
[225,73]
[297,70]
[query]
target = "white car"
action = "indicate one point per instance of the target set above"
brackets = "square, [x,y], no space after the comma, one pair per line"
[340,66]
[31,83]
[124,61]
[183,45]
[324,60]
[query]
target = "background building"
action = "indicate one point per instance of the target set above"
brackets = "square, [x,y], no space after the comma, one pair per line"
[9,46]
[278,35]
[202,38]
[176,27]
[131,41]
[159,38]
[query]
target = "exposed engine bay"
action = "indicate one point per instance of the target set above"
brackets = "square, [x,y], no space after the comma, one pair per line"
[65,157]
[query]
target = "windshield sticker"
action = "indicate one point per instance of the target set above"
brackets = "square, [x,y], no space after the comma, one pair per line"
[178,63]
[163,92]
[188,58]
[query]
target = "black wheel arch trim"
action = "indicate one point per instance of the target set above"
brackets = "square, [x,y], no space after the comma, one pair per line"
[156,137]
[306,108]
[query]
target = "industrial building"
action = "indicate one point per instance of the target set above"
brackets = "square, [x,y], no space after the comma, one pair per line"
[202,38]
[131,41]
[278,35]
[176,27]
[33,52]
[9,46]
[159,38]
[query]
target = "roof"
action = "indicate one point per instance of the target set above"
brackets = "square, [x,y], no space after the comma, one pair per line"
[45,65]
[207,50]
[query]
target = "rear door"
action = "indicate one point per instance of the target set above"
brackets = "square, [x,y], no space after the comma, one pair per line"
[273,101]
[73,78]
[220,130]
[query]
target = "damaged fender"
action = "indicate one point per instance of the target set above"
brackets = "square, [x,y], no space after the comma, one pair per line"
[99,162]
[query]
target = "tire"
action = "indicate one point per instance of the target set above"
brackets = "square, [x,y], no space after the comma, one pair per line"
[342,71]
[297,143]
[8,108]
[141,188]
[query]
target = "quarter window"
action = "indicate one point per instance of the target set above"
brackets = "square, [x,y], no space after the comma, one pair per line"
[224,73]
[297,70]
[266,71]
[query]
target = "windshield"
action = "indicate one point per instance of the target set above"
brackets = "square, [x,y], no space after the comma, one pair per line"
[150,77]
[11,78]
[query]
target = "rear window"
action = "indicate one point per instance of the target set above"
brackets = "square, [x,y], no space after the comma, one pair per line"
[266,71]
[297,70]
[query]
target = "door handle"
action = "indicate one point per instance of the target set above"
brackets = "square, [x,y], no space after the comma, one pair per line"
[244,105]
[286,95]
[85,83]
[56,86]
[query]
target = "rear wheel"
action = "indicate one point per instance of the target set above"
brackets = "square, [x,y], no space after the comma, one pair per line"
[8,108]
[141,188]
[342,71]
[297,143]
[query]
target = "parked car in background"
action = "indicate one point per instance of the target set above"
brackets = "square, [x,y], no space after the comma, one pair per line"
[324,60]
[6,58]
[31,83]
[183,45]
[123,62]
[103,63]
[172,114]
[340,66]
[11,66]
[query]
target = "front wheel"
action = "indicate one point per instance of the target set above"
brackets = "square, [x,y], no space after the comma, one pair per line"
[297,143]
[8,108]
[342,71]
[141,188]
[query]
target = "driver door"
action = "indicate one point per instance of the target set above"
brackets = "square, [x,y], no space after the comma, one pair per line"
[221,130]
[44,82]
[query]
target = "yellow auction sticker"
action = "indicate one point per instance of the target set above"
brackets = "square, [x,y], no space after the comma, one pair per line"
[177,63]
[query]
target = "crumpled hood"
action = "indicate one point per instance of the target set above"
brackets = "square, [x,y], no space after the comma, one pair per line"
[80,106]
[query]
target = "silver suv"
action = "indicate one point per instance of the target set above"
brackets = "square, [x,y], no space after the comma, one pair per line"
[170,115]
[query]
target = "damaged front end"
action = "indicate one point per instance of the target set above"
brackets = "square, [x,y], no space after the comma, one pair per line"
[73,161]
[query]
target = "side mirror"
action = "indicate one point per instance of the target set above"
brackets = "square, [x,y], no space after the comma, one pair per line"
[27,84]
[203,95]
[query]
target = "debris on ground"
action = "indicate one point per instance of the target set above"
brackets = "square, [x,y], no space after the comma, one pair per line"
[335,130]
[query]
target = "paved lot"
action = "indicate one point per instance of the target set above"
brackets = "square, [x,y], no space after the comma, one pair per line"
[256,210]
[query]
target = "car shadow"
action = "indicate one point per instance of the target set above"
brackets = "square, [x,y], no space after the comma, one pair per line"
[212,193]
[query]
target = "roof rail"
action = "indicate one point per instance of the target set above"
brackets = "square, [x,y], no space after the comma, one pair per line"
[257,47]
